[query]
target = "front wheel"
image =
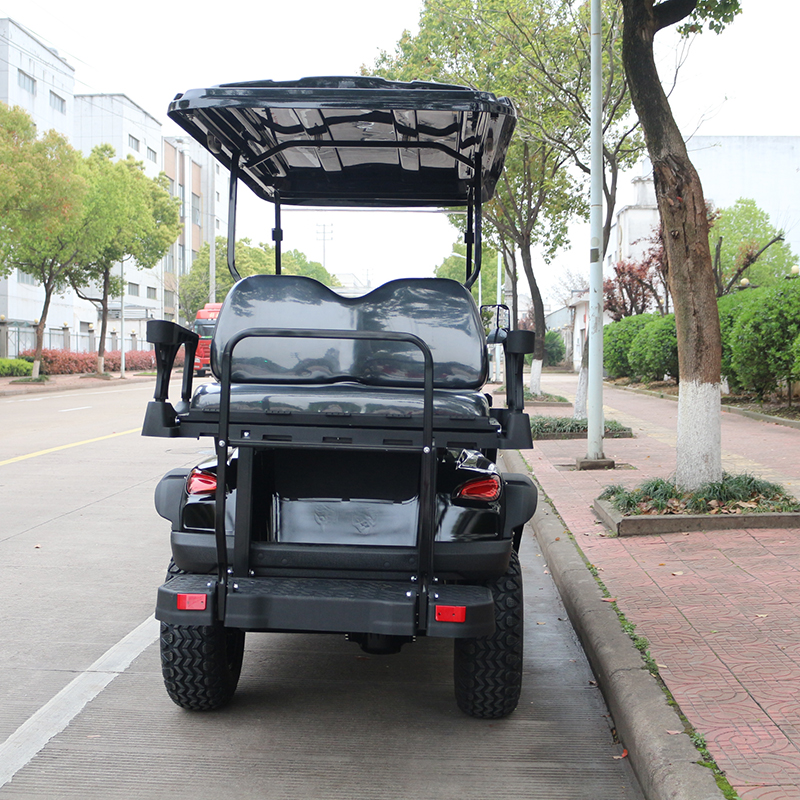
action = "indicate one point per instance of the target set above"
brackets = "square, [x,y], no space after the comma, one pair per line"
[201,664]
[487,670]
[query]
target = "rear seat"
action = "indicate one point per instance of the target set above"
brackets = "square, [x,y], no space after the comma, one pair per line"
[350,377]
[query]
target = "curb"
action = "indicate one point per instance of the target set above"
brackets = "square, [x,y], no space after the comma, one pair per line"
[656,524]
[665,765]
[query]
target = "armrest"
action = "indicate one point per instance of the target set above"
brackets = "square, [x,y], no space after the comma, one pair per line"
[160,417]
[168,338]
[517,344]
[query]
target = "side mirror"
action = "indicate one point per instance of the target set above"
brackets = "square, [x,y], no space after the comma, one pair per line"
[497,336]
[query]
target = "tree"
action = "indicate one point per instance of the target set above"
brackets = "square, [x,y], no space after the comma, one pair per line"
[746,243]
[140,221]
[630,291]
[250,260]
[44,226]
[684,223]
[488,44]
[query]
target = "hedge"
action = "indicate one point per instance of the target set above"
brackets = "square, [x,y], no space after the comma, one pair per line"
[654,350]
[617,340]
[15,367]
[69,362]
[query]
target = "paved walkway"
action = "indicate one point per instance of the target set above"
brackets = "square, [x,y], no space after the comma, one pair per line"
[721,610]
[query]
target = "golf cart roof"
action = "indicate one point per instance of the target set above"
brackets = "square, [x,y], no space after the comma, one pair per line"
[353,141]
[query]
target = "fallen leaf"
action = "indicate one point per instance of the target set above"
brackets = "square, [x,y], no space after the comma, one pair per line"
[674,733]
[761,616]
[558,538]
[37,547]
[662,564]
[661,666]
[592,683]
[624,755]
[547,572]
[609,599]
[677,573]
[541,623]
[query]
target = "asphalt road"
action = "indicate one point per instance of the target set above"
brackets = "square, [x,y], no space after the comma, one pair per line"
[83,712]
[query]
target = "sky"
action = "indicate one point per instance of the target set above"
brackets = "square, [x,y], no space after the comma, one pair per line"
[737,83]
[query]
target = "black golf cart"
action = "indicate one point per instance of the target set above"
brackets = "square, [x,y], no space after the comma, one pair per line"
[354,488]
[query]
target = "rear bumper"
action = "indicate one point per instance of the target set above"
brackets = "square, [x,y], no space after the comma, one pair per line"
[327,605]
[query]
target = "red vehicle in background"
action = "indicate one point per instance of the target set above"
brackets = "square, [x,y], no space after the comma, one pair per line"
[204,325]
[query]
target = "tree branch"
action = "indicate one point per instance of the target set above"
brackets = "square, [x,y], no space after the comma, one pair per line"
[671,12]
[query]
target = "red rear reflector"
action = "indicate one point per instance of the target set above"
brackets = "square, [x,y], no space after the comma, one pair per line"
[201,482]
[192,602]
[451,613]
[481,489]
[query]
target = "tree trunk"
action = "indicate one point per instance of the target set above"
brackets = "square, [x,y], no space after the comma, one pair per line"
[535,384]
[101,347]
[580,410]
[684,222]
[37,356]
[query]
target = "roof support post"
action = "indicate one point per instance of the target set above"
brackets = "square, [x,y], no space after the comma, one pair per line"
[234,188]
[277,233]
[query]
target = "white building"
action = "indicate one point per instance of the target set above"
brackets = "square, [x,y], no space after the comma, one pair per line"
[36,78]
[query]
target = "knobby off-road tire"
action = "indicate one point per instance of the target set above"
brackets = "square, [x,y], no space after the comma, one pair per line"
[201,664]
[488,669]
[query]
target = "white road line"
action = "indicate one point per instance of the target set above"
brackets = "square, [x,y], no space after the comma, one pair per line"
[77,408]
[57,713]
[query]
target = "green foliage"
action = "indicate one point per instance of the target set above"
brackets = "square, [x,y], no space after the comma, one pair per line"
[617,340]
[548,427]
[653,352]
[554,348]
[250,260]
[15,367]
[454,268]
[762,338]
[730,307]
[736,494]
[744,230]
[715,15]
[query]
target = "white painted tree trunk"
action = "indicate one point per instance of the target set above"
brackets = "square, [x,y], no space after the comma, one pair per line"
[699,446]
[579,409]
[535,384]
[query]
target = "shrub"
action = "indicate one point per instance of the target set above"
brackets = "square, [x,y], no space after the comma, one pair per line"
[67,362]
[15,367]
[730,309]
[762,339]
[554,348]
[654,350]
[617,339]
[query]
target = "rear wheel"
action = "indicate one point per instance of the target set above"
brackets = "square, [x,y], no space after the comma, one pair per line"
[488,669]
[201,664]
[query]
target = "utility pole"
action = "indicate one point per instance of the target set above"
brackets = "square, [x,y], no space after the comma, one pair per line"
[324,235]
[595,458]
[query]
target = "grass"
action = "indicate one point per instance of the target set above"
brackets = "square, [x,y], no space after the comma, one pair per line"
[542,427]
[544,397]
[734,494]
[40,379]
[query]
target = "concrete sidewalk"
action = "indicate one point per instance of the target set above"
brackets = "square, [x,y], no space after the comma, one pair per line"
[721,610]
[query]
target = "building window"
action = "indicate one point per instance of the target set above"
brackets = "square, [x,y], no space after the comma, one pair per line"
[152,294]
[171,187]
[58,103]
[217,224]
[133,289]
[196,209]
[217,168]
[182,197]
[152,155]
[24,277]
[181,260]
[169,299]
[133,143]
[169,261]
[27,82]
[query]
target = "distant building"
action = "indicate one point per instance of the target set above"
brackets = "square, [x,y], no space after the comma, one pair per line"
[34,77]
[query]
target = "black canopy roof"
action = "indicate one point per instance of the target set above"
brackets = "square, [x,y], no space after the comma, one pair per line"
[353,141]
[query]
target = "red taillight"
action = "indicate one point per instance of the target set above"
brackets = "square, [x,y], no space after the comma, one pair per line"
[451,613]
[480,489]
[201,482]
[192,602]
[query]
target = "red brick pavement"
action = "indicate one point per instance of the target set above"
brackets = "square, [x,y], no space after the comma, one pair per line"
[721,610]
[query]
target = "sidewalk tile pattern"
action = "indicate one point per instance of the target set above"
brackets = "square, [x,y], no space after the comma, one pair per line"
[721,610]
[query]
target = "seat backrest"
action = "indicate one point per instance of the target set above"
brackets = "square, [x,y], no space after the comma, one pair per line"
[441,312]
